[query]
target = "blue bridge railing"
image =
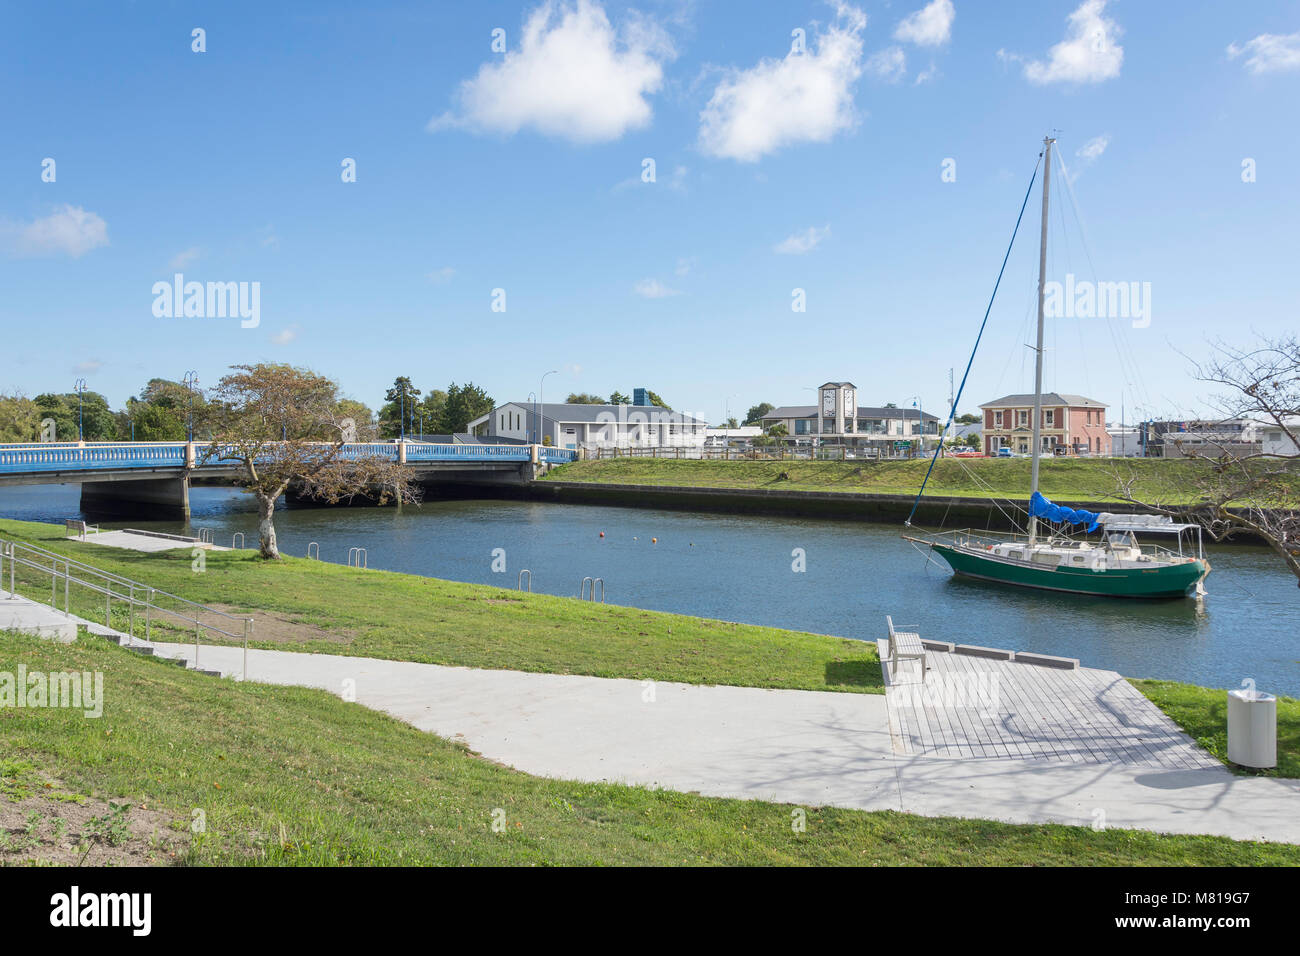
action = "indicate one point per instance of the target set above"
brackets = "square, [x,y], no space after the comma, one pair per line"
[112,456]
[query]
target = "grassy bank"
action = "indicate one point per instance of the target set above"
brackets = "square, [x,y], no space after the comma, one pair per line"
[1067,479]
[326,608]
[293,776]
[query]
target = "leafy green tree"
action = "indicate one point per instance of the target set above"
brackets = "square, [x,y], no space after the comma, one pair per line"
[756,412]
[432,409]
[583,398]
[967,419]
[731,423]
[655,399]
[20,420]
[281,425]
[97,420]
[618,398]
[362,416]
[778,431]
[464,404]
[401,399]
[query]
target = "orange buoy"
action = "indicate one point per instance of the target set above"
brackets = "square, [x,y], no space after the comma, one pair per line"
[654,540]
[602,534]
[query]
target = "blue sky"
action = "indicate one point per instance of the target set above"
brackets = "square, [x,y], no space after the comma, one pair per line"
[479,170]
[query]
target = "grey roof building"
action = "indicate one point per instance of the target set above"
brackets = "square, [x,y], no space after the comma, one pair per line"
[572,426]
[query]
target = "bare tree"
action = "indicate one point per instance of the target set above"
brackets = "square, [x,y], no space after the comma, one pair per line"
[1240,489]
[286,428]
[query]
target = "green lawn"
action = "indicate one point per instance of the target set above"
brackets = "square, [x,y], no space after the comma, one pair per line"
[1067,479]
[1203,713]
[295,776]
[405,617]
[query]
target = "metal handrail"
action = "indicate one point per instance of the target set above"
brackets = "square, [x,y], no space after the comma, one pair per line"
[316,545]
[520,585]
[39,559]
[240,536]
[358,558]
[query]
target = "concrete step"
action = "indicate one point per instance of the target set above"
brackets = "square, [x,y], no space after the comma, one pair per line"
[27,617]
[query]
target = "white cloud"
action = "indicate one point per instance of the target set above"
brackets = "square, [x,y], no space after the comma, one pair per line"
[925,76]
[1088,54]
[1269,52]
[182,259]
[89,367]
[929,26]
[805,97]
[684,265]
[802,242]
[889,64]
[285,336]
[653,289]
[441,276]
[1092,150]
[71,231]
[571,76]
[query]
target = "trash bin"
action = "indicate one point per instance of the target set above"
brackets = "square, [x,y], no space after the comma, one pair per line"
[1252,728]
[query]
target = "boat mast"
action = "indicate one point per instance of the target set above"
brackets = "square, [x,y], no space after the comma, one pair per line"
[1038,351]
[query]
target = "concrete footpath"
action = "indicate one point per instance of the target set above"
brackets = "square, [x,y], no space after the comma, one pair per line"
[798,747]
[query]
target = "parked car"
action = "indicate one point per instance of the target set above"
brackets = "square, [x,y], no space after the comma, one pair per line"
[1005,453]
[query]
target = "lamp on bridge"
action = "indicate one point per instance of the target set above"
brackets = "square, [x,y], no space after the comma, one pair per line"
[80,389]
[191,382]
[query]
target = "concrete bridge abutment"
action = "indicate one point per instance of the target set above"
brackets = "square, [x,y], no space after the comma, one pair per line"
[166,499]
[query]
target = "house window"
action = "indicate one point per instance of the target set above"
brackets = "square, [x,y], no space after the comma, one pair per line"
[801,426]
[1049,418]
[1022,418]
[997,419]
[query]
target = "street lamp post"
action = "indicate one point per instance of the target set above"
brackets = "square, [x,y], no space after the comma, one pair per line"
[541,391]
[920,424]
[532,427]
[190,382]
[80,388]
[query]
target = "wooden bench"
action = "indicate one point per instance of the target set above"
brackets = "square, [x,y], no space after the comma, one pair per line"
[79,527]
[905,645]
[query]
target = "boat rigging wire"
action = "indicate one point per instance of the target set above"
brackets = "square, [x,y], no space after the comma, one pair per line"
[953,411]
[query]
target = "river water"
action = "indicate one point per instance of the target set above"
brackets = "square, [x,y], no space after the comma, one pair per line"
[741,568]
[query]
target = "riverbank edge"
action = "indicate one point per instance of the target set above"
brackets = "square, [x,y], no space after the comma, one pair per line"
[855,505]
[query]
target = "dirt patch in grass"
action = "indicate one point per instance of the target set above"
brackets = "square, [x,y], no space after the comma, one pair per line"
[54,828]
[277,628]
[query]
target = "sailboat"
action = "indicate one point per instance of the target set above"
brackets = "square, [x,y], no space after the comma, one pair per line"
[1047,557]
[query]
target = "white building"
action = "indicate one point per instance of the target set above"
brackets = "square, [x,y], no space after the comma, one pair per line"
[591,426]
[838,419]
[721,437]
[1273,440]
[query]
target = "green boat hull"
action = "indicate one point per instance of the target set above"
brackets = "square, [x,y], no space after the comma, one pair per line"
[1169,581]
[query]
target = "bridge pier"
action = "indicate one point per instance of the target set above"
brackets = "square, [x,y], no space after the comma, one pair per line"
[165,499]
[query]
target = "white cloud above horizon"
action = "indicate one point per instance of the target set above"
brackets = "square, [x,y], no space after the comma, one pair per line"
[1089,53]
[653,289]
[88,367]
[70,230]
[929,26]
[572,76]
[184,258]
[1269,52]
[801,243]
[890,64]
[803,98]
[441,276]
[1091,151]
[285,336]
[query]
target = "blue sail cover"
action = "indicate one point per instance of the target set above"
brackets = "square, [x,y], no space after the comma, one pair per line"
[1040,507]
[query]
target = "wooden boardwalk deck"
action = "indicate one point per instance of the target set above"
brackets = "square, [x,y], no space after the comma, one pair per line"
[976,707]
